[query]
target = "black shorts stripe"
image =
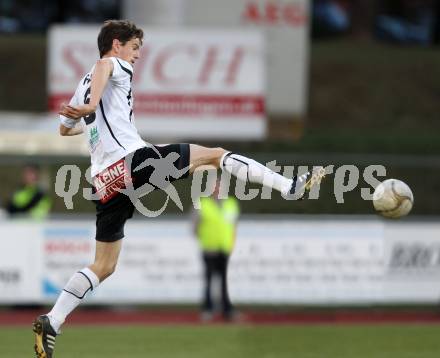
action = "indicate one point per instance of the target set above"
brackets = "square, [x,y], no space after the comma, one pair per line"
[126,70]
[108,124]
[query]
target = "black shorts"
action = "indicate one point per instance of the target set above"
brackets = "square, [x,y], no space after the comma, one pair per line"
[154,169]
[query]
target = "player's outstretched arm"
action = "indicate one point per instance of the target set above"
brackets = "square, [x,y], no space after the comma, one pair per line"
[101,74]
[66,131]
[68,126]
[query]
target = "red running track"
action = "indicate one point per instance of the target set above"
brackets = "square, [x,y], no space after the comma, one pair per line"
[173,317]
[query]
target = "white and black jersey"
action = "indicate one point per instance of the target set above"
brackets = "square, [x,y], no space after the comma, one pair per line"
[111,132]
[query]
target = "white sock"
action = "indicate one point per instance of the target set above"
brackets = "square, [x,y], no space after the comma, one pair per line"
[249,170]
[74,291]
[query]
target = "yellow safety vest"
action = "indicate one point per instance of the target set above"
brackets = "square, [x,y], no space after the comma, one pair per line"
[24,197]
[217,224]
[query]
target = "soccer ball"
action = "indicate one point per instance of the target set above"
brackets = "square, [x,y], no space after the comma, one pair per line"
[393,198]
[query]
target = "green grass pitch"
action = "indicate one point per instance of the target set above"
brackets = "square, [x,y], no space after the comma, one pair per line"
[233,341]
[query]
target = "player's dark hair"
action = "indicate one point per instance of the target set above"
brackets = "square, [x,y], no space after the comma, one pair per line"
[122,30]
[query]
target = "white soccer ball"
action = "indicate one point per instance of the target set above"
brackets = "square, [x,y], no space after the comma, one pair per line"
[393,198]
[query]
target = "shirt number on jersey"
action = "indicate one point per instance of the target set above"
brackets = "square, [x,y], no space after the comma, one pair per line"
[91,117]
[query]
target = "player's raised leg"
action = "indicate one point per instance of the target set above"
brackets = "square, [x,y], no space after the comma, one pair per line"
[47,327]
[249,170]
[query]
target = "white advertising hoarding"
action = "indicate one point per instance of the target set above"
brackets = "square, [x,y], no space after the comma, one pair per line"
[308,262]
[413,257]
[20,263]
[274,262]
[66,249]
[186,84]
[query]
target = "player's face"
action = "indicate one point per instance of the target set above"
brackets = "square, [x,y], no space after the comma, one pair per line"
[130,51]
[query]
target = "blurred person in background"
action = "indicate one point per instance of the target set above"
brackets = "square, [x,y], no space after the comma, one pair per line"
[25,16]
[338,17]
[30,200]
[407,21]
[414,22]
[215,228]
[329,18]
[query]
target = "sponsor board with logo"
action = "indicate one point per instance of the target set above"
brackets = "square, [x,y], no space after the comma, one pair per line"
[291,261]
[67,247]
[20,262]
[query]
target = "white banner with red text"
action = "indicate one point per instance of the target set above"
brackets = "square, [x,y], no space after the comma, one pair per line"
[186,83]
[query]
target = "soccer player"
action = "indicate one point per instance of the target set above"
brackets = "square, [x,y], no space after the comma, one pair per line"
[103,103]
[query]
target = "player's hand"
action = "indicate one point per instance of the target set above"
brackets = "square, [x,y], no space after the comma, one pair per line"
[76,112]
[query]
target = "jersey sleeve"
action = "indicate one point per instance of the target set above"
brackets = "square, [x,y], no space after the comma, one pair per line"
[121,70]
[68,122]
